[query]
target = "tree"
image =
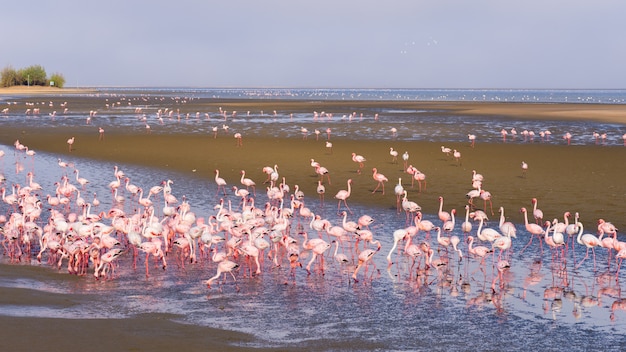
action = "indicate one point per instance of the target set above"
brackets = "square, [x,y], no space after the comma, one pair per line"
[58,80]
[9,77]
[34,75]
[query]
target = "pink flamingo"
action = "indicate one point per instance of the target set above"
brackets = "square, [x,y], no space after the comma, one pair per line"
[364,258]
[606,227]
[534,229]
[423,225]
[247,182]
[238,138]
[506,227]
[537,213]
[106,261]
[457,156]
[321,190]
[524,169]
[360,159]
[380,178]
[466,226]
[70,143]
[221,183]
[472,139]
[588,240]
[365,221]
[394,155]
[448,226]
[223,267]
[399,192]
[568,137]
[409,207]
[318,250]
[443,215]
[343,195]
[478,251]
[486,197]
[446,150]
[420,178]
[398,235]
[322,171]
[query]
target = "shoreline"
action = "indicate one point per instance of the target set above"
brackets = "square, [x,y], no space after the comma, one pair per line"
[35,91]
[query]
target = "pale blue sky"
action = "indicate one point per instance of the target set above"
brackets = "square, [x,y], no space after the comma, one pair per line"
[327,43]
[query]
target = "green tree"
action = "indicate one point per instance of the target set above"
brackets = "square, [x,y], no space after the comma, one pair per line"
[34,75]
[58,80]
[9,77]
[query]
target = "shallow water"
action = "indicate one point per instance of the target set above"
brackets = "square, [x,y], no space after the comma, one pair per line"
[166,111]
[536,304]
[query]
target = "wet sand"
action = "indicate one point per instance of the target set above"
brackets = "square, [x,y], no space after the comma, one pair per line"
[149,332]
[587,179]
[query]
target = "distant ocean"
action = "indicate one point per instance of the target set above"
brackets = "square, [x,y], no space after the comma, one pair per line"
[589,96]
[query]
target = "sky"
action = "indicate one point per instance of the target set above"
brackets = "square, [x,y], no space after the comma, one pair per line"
[546,44]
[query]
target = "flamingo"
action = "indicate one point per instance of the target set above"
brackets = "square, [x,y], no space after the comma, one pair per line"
[318,250]
[81,180]
[364,258]
[339,257]
[486,196]
[588,240]
[247,182]
[443,215]
[343,195]
[568,137]
[423,225]
[533,229]
[478,251]
[70,143]
[506,227]
[223,267]
[320,170]
[606,227]
[349,226]
[466,226]
[537,213]
[398,235]
[321,190]
[420,177]
[472,139]
[446,150]
[221,183]
[524,169]
[409,207]
[394,155]
[380,178]
[360,159]
[457,156]
[448,226]
[405,159]
[399,192]
[487,234]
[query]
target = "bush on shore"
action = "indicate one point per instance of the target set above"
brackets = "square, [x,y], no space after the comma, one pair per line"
[34,75]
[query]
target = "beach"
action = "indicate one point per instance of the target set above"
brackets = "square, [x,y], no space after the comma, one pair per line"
[579,178]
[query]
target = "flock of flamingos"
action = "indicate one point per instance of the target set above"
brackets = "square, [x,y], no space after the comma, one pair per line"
[241,235]
[64,229]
